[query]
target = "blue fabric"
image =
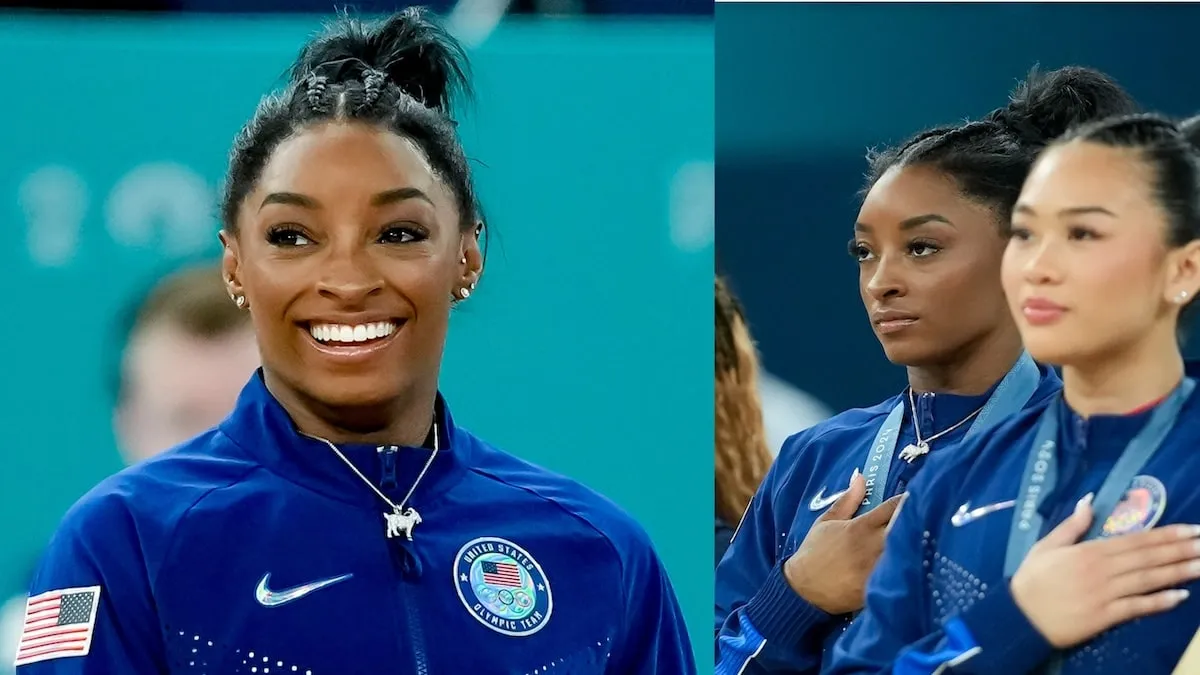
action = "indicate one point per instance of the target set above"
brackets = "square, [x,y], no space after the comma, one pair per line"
[935,574]
[791,635]
[181,547]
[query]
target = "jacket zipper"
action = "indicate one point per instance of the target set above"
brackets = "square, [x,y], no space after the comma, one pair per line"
[407,569]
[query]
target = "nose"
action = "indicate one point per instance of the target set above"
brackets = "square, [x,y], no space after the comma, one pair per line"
[886,280]
[349,277]
[1040,267]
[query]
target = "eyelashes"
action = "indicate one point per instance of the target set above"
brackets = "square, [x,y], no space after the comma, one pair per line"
[294,236]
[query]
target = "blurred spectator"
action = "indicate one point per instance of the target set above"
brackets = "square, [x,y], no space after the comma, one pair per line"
[742,458]
[187,352]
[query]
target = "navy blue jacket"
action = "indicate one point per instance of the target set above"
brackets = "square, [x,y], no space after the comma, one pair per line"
[939,600]
[252,549]
[762,625]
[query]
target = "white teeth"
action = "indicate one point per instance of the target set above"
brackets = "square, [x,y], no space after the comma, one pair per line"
[325,332]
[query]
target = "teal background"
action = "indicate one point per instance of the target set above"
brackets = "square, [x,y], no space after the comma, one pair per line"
[587,348]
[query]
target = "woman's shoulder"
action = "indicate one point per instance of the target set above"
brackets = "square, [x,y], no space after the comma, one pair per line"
[519,480]
[846,428]
[152,495]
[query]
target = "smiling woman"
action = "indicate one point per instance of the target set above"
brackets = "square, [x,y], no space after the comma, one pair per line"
[341,493]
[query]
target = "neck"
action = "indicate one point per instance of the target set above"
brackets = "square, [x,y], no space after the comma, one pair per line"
[405,422]
[1120,382]
[974,369]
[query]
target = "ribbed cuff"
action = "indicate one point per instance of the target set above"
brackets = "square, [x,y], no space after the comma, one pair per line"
[780,614]
[1008,642]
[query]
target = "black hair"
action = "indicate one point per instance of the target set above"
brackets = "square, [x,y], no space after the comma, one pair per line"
[402,74]
[990,158]
[1171,150]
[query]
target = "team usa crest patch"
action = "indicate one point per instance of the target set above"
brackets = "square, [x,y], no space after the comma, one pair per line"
[502,586]
[1140,508]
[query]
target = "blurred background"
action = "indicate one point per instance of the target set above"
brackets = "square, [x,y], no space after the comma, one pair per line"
[593,139]
[805,89]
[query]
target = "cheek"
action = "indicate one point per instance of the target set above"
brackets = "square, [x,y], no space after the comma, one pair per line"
[967,286]
[1121,290]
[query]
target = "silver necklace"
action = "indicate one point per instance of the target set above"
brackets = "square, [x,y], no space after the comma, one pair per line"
[401,521]
[921,447]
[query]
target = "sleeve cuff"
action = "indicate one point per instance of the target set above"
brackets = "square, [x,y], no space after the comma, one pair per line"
[1008,642]
[780,614]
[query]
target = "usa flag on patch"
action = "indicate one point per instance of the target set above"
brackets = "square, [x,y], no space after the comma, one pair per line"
[58,624]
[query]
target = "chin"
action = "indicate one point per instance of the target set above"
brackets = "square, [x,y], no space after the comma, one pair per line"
[368,390]
[911,354]
[1060,353]
[1053,346]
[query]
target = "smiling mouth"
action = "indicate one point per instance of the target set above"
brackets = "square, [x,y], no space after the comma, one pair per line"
[351,343]
[334,334]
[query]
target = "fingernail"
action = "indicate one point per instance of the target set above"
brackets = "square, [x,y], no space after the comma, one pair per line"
[854,475]
[1179,595]
[1086,501]
[1191,531]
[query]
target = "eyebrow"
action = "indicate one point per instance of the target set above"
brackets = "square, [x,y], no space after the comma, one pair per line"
[382,199]
[1026,209]
[910,223]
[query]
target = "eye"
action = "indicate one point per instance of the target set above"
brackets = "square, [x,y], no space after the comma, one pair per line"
[1079,233]
[401,235]
[859,251]
[922,249]
[1019,233]
[287,236]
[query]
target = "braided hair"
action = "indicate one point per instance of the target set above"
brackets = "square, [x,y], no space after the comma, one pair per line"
[989,158]
[401,74]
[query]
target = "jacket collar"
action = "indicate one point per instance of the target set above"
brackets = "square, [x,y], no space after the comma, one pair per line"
[262,428]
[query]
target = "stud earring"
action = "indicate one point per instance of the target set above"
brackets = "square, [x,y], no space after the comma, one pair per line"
[464,260]
[472,285]
[240,301]
[466,293]
[1181,297]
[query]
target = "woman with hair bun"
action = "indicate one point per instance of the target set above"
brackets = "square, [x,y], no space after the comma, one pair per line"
[1067,540]
[928,241]
[340,521]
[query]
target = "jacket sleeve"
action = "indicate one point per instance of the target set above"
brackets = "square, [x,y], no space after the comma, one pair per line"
[762,625]
[90,610]
[893,634]
[654,639]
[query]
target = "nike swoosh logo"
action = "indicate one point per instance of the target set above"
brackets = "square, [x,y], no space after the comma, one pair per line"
[965,514]
[268,598]
[821,501]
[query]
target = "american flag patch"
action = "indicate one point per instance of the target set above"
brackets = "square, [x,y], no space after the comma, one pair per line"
[58,624]
[501,574]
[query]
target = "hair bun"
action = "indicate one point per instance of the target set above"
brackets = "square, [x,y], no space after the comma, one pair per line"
[1190,130]
[1045,105]
[408,50]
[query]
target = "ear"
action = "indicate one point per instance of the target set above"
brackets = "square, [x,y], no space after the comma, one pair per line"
[472,253]
[1183,275]
[231,267]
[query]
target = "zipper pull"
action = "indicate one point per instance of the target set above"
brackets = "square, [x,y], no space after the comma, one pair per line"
[387,455]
